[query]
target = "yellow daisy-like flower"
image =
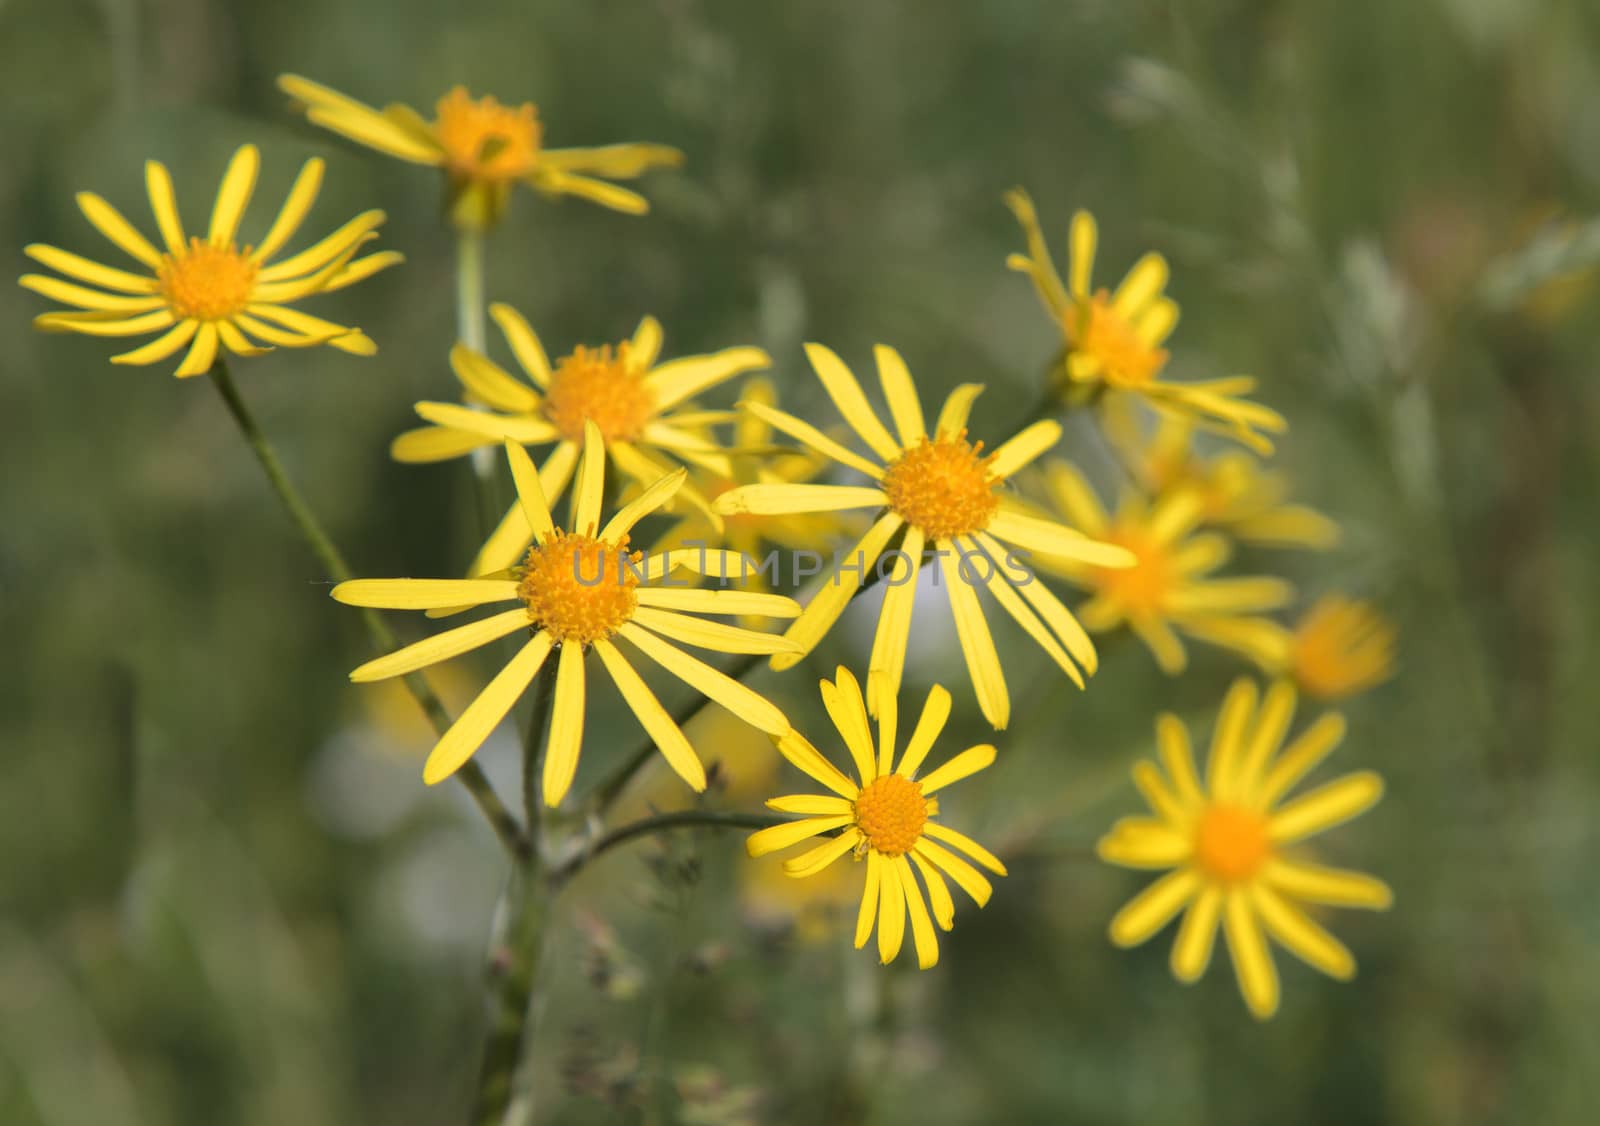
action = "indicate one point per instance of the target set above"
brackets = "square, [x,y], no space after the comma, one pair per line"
[485,149]
[580,590]
[1229,842]
[206,292]
[945,494]
[1114,341]
[888,817]
[641,408]
[1341,646]
[1169,588]
[1239,494]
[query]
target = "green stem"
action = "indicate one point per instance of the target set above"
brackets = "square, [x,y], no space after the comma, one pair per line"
[469,288]
[683,819]
[333,563]
[513,968]
[533,746]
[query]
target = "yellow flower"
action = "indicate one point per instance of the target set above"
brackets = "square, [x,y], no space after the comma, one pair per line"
[888,818]
[1228,842]
[581,590]
[484,149]
[1169,588]
[1341,647]
[1238,494]
[210,290]
[945,494]
[1114,341]
[640,406]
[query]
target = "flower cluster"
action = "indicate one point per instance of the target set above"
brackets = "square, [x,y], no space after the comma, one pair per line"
[913,495]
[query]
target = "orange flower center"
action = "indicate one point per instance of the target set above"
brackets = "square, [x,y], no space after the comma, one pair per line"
[1125,359]
[206,282]
[484,140]
[1144,587]
[576,587]
[943,487]
[890,812]
[1230,843]
[599,385]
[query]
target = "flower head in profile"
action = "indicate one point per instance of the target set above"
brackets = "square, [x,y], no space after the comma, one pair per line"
[1340,647]
[888,817]
[205,293]
[1238,494]
[640,407]
[940,492]
[1115,340]
[1170,588]
[1231,843]
[484,149]
[581,590]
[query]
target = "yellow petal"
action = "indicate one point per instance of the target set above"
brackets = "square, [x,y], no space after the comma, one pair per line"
[1011,602]
[442,647]
[517,428]
[935,712]
[566,726]
[643,505]
[295,209]
[977,646]
[814,860]
[891,912]
[99,324]
[484,714]
[162,346]
[76,266]
[110,222]
[1074,498]
[836,591]
[1227,739]
[1326,806]
[887,662]
[320,253]
[966,877]
[718,601]
[657,723]
[965,843]
[1150,910]
[798,750]
[621,162]
[944,908]
[524,342]
[1301,936]
[717,686]
[1025,448]
[1197,936]
[968,762]
[85,298]
[677,380]
[869,899]
[851,401]
[811,436]
[779,837]
[715,636]
[552,181]
[1038,265]
[423,594]
[1172,739]
[164,202]
[202,353]
[238,184]
[589,491]
[1046,537]
[842,699]
[1334,887]
[489,382]
[901,393]
[784,500]
[1252,962]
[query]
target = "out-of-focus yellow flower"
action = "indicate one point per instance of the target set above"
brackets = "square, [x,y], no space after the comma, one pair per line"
[1169,589]
[1229,842]
[1114,341]
[888,817]
[209,292]
[1238,493]
[580,590]
[1341,646]
[641,408]
[484,149]
[946,495]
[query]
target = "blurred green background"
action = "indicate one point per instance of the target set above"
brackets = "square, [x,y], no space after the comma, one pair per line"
[226,896]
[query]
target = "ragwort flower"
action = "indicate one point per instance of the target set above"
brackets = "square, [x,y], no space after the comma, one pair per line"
[209,292]
[1170,587]
[1238,493]
[1114,340]
[580,589]
[945,494]
[887,817]
[1229,842]
[640,406]
[1340,647]
[485,149]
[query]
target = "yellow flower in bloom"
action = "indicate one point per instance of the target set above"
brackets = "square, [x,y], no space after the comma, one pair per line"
[640,406]
[581,589]
[485,149]
[1341,647]
[888,817]
[1114,341]
[945,494]
[206,292]
[1229,844]
[1239,494]
[1169,588]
